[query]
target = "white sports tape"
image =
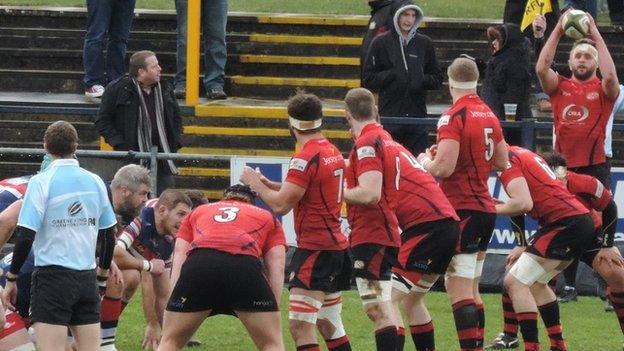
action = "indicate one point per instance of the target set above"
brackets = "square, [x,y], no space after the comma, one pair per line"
[528,271]
[26,347]
[330,312]
[479,268]
[406,286]
[463,265]
[374,291]
[561,171]
[304,125]
[462,85]
[303,308]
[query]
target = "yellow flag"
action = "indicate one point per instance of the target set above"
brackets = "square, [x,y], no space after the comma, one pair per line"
[532,8]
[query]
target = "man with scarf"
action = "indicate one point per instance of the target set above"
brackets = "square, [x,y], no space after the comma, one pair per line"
[401,66]
[139,111]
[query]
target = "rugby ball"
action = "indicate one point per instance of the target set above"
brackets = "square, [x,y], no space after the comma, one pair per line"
[575,24]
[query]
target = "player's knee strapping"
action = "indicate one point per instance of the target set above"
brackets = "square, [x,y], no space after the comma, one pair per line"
[528,271]
[303,308]
[463,265]
[331,313]
[374,291]
[405,285]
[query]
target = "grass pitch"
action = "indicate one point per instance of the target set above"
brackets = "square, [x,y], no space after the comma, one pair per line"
[585,326]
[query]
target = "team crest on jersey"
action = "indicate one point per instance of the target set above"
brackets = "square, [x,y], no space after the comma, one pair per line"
[298,164]
[365,151]
[575,113]
[592,95]
[444,120]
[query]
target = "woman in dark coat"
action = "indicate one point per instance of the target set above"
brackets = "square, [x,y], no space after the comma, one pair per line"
[508,72]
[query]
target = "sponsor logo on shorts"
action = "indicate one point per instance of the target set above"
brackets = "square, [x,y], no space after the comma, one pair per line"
[291,276]
[421,265]
[262,303]
[365,151]
[298,164]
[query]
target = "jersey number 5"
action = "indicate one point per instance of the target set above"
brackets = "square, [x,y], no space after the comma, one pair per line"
[227,214]
[489,143]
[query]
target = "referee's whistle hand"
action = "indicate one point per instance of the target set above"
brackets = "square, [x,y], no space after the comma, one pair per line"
[9,296]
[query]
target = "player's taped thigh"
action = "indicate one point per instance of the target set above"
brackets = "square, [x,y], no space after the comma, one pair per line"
[463,265]
[331,312]
[406,286]
[374,291]
[528,271]
[303,308]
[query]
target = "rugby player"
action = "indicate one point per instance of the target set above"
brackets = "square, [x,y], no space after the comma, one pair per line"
[127,194]
[566,231]
[217,269]
[374,233]
[320,267]
[597,199]
[431,231]
[469,145]
[64,215]
[146,245]
[582,110]
[14,335]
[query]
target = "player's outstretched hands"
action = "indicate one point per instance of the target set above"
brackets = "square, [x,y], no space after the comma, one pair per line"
[158,266]
[152,336]
[249,175]
[514,255]
[611,256]
[9,295]
[593,32]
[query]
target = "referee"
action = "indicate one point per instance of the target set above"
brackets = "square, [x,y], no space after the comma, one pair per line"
[65,213]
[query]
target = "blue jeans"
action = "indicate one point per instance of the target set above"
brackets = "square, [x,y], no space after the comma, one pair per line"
[589,6]
[112,17]
[213,22]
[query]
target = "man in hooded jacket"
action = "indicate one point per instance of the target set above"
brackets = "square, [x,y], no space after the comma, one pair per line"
[380,21]
[401,66]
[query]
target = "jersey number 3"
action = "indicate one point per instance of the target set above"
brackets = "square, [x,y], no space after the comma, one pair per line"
[227,214]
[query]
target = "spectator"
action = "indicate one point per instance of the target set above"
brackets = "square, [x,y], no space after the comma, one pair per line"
[508,74]
[115,19]
[589,6]
[616,12]
[401,66]
[380,21]
[214,20]
[139,111]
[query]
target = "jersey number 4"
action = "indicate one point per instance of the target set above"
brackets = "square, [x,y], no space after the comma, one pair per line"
[227,214]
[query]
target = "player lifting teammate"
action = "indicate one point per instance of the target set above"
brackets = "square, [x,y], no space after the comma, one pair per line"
[566,230]
[469,145]
[320,267]
[217,269]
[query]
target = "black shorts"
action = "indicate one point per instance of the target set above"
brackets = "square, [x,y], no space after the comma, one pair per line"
[326,270]
[6,199]
[63,296]
[591,247]
[219,281]
[374,261]
[476,229]
[427,248]
[601,171]
[564,239]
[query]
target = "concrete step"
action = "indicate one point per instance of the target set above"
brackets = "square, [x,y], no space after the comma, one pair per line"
[159,20]
[27,130]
